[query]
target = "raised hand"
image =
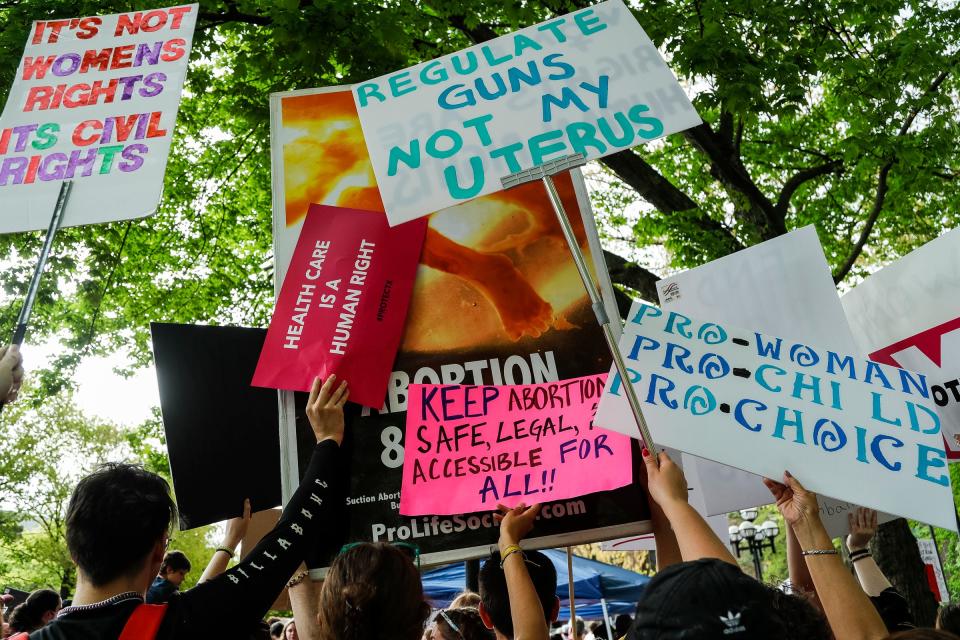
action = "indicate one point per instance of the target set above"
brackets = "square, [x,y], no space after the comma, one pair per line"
[11,373]
[237,527]
[666,482]
[863,526]
[325,409]
[515,523]
[797,505]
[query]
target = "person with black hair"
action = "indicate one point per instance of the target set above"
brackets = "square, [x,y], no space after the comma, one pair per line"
[622,624]
[118,525]
[948,618]
[173,571]
[518,589]
[37,610]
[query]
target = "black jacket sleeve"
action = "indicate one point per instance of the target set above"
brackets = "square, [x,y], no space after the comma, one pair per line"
[243,594]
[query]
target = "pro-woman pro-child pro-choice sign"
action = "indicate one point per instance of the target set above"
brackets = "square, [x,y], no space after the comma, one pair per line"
[446,131]
[846,427]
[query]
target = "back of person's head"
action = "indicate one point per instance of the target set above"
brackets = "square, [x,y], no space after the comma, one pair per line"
[922,634]
[372,591]
[37,610]
[802,620]
[276,630]
[621,625]
[599,630]
[116,516]
[466,599]
[494,600]
[948,618]
[175,561]
[703,600]
[461,623]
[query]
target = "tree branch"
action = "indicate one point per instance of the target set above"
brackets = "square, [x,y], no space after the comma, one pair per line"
[631,275]
[878,200]
[882,186]
[727,168]
[799,178]
[647,181]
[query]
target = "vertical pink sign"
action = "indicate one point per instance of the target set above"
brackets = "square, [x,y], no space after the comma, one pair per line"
[468,448]
[343,303]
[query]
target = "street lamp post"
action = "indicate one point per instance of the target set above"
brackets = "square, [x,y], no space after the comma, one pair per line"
[753,537]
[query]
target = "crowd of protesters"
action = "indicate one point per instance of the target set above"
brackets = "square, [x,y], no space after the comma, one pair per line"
[119,520]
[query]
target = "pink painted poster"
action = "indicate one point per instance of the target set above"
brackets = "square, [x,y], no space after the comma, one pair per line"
[470,447]
[343,303]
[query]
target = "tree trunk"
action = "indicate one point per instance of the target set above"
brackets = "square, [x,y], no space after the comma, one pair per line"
[895,550]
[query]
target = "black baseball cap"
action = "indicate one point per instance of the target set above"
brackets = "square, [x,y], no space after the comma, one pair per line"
[705,600]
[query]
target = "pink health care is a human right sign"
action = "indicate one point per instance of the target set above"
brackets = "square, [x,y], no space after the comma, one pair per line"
[343,304]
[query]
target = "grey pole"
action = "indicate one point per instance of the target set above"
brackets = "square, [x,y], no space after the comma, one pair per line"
[20,331]
[545,172]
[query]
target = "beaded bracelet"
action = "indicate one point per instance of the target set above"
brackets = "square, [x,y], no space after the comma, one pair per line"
[860,555]
[820,552]
[509,551]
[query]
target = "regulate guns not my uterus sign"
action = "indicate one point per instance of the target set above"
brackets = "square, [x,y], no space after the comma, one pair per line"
[846,427]
[446,131]
[95,101]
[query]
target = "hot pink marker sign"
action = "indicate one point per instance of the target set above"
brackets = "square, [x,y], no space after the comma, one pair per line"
[468,448]
[343,303]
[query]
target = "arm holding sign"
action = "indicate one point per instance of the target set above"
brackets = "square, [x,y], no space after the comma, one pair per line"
[668,551]
[526,612]
[236,529]
[863,525]
[849,611]
[694,536]
[244,593]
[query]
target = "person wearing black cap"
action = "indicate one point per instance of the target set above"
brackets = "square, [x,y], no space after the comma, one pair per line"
[706,596]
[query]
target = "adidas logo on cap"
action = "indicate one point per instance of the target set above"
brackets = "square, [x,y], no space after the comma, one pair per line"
[732,623]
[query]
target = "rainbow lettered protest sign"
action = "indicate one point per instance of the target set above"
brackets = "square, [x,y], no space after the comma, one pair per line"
[95,101]
[846,427]
[343,303]
[470,447]
[446,131]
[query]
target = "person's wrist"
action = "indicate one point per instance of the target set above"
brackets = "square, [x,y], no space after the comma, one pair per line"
[811,534]
[229,544]
[326,436]
[507,541]
[856,547]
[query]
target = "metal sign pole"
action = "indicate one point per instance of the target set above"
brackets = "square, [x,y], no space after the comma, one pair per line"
[573,604]
[545,173]
[25,311]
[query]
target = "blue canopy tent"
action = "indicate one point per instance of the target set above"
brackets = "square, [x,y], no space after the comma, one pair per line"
[593,581]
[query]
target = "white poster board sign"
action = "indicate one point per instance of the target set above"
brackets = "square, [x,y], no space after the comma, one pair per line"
[770,286]
[859,430]
[930,557]
[445,131]
[725,489]
[908,315]
[94,100]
